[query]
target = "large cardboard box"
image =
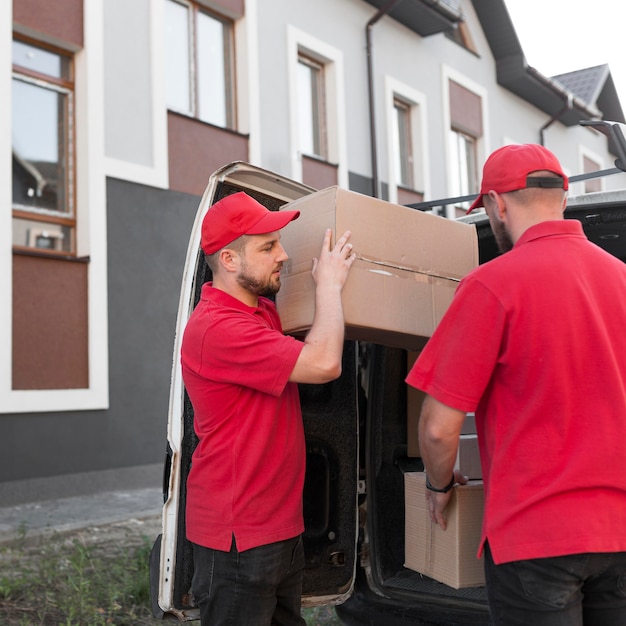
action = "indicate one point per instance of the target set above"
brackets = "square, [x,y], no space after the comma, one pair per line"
[408,266]
[447,556]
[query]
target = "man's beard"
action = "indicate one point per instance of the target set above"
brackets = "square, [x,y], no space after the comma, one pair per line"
[502,235]
[267,288]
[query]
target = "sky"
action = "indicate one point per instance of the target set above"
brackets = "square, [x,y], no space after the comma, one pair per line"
[559,36]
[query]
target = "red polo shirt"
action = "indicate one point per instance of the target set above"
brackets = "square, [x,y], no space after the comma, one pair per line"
[247,471]
[535,342]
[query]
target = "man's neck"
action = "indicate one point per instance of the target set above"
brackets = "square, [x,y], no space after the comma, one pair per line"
[234,289]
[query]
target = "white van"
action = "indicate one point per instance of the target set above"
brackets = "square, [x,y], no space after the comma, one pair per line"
[356,431]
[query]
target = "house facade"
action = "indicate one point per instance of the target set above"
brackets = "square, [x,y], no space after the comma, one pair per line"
[113,114]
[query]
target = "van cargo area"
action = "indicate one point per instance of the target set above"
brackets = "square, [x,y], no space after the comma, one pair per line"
[384,461]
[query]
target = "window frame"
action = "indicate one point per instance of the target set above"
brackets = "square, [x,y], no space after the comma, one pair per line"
[403,140]
[66,86]
[316,107]
[417,109]
[298,42]
[91,232]
[194,10]
[449,74]
[464,163]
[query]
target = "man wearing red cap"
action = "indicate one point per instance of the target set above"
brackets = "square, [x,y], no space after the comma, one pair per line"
[534,343]
[244,491]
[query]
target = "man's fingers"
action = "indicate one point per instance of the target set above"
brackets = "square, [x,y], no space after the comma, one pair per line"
[459,478]
[436,514]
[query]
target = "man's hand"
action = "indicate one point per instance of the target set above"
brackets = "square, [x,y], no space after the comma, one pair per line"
[330,270]
[437,502]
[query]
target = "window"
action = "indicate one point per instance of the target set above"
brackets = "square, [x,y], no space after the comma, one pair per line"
[311,110]
[199,66]
[407,141]
[317,111]
[461,33]
[402,140]
[43,149]
[463,160]
[466,130]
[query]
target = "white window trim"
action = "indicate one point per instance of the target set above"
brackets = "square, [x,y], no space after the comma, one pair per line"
[91,222]
[297,42]
[482,143]
[247,79]
[419,136]
[156,175]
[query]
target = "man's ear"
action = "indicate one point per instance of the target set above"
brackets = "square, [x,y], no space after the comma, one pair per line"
[499,203]
[229,259]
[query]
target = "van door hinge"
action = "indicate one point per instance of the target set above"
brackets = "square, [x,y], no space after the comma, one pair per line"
[361,488]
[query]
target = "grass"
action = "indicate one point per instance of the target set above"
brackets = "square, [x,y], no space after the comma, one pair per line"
[70,580]
[321,616]
[63,581]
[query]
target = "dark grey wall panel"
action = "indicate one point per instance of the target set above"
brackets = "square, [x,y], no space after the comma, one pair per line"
[148,235]
[363,184]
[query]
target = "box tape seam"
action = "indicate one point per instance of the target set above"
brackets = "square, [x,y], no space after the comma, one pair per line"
[395,266]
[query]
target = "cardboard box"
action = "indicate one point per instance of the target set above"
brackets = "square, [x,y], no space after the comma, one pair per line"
[468,457]
[408,266]
[447,556]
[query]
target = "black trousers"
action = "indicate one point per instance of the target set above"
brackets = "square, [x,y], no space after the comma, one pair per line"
[573,590]
[258,587]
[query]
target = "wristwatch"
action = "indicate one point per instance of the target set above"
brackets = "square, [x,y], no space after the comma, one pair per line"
[445,489]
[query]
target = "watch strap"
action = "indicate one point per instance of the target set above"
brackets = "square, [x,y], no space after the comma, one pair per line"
[447,488]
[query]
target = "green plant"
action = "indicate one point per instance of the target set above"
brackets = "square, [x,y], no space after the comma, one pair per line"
[70,583]
[321,616]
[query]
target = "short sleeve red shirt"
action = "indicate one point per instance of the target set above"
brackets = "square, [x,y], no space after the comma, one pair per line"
[247,471]
[535,343]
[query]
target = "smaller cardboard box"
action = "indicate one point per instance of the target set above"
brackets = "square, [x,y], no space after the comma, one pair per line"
[468,457]
[447,556]
[408,266]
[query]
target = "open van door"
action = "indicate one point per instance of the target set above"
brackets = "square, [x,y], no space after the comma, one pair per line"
[331,421]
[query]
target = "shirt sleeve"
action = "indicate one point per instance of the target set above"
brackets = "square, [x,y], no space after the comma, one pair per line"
[243,349]
[457,363]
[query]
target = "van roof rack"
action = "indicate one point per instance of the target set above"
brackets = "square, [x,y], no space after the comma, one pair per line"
[613,130]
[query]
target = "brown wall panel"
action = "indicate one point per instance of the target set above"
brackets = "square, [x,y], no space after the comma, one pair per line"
[318,174]
[232,8]
[407,196]
[466,110]
[197,149]
[50,341]
[62,19]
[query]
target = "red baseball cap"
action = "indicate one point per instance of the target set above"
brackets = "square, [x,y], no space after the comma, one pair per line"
[507,169]
[237,215]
